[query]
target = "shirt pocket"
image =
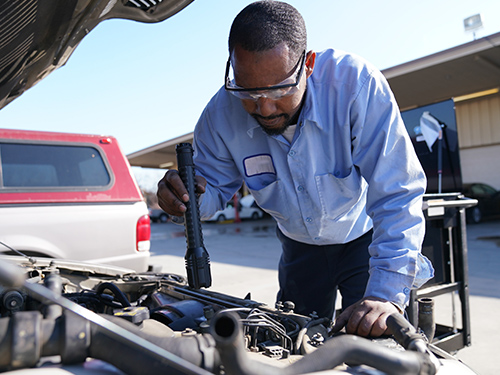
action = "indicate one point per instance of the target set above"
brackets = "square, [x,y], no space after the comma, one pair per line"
[338,195]
[272,199]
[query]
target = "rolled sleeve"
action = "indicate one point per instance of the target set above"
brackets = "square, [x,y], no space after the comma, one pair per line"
[396,286]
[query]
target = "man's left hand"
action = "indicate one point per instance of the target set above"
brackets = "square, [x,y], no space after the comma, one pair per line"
[367,317]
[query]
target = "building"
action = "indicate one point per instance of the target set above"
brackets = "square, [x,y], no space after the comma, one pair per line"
[468,74]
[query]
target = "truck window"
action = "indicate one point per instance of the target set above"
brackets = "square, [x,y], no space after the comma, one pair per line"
[51,166]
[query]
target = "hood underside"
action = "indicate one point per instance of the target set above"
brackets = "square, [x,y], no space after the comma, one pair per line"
[38,36]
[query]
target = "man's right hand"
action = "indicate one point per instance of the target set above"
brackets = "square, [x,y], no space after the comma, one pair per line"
[172,194]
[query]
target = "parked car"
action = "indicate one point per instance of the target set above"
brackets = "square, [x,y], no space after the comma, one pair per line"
[71,196]
[247,209]
[488,198]
[157,215]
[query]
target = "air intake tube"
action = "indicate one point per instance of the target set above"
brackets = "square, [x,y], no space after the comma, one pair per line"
[197,349]
[349,349]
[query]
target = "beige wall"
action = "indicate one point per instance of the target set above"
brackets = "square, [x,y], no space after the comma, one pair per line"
[481,164]
[478,124]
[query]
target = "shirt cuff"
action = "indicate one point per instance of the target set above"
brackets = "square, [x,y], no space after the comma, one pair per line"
[391,286]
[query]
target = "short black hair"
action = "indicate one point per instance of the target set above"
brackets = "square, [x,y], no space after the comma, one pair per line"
[263,25]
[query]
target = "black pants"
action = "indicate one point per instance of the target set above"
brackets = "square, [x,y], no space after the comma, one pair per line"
[309,275]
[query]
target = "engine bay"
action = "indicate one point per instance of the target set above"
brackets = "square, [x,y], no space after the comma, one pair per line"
[153,322]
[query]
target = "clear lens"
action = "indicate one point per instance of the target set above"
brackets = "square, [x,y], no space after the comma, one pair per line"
[289,81]
[273,94]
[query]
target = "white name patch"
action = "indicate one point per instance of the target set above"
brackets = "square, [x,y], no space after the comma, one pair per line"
[258,164]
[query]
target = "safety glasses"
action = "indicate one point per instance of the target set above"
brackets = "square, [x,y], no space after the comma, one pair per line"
[285,88]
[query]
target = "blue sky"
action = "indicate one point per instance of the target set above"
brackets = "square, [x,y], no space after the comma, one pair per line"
[147,83]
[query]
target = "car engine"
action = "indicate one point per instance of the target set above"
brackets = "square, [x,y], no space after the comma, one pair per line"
[59,313]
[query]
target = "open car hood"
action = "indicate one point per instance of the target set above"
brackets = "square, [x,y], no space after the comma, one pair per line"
[38,36]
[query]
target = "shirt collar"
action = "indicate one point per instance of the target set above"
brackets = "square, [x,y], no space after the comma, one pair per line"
[310,110]
[252,124]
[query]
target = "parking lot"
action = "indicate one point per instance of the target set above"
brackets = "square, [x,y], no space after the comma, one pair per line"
[244,259]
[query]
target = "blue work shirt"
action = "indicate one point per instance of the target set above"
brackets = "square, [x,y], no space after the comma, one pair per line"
[350,167]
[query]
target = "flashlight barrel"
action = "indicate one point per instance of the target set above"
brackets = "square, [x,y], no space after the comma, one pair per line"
[197,258]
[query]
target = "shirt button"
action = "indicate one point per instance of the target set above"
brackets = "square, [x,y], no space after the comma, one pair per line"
[309,220]
[406,290]
[291,153]
[316,238]
[300,188]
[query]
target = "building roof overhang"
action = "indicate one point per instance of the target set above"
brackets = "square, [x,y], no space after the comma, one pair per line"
[458,71]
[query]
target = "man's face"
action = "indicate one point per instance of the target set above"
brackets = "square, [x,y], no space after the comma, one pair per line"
[264,69]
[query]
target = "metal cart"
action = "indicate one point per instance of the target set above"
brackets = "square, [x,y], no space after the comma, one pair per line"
[445,244]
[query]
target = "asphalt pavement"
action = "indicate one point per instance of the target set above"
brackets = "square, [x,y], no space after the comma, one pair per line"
[244,259]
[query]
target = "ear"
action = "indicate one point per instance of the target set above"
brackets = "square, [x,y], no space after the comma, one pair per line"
[310,60]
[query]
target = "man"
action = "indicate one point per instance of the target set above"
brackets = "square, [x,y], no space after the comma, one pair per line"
[319,141]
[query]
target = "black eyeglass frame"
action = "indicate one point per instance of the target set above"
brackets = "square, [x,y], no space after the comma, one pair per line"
[302,63]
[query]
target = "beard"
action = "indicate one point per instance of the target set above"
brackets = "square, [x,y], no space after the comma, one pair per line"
[275,130]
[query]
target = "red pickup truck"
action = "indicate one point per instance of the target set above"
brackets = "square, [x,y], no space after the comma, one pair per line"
[71,196]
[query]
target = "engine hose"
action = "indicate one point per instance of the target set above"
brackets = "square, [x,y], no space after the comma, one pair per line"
[119,295]
[405,334]
[226,330]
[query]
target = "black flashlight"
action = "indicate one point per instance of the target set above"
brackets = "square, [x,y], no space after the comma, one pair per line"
[197,259]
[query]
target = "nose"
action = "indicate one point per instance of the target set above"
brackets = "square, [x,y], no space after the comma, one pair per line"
[265,107]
